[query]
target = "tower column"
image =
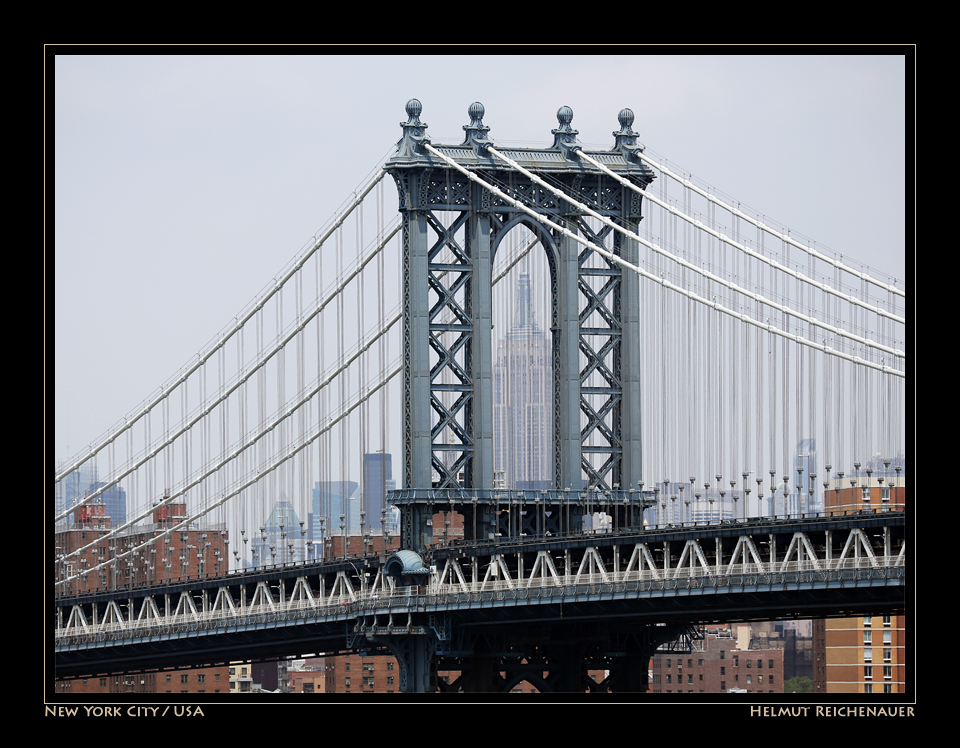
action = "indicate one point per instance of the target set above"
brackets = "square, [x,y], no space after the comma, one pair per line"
[629,364]
[481,355]
[416,401]
[567,365]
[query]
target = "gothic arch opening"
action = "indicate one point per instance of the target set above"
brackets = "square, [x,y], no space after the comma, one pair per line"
[523,312]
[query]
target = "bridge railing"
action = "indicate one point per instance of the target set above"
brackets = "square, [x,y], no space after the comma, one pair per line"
[386,600]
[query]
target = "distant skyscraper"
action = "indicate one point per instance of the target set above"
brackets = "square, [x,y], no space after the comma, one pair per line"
[83,482]
[523,400]
[377,480]
[280,541]
[330,500]
[805,466]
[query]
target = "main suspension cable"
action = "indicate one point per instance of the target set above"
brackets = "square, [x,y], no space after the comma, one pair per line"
[763,227]
[707,274]
[202,359]
[663,282]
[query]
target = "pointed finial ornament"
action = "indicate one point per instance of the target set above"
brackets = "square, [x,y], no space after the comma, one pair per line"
[626,138]
[476,131]
[414,131]
[565,137]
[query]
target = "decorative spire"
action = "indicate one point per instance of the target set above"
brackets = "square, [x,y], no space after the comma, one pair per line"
[414,131]
[476,130]
[565,137]
[626,138]
[524,300]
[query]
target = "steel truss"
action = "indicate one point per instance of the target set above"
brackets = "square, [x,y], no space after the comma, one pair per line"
[474,594]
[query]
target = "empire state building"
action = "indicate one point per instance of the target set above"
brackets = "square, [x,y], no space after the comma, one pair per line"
[523,400]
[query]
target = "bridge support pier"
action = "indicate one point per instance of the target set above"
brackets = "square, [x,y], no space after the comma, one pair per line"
[416,656]
[478,674]
[628,674]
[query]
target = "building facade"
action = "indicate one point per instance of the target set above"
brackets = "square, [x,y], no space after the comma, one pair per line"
[718,665]
[862,655]
[113,563]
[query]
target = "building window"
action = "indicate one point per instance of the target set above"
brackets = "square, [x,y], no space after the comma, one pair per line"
[887,672]
[184,678]
[885,493]
[868,654]
[868,672]
[886,620]
[887,655]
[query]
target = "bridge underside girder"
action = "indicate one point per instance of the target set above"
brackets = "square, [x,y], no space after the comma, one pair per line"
[553,658]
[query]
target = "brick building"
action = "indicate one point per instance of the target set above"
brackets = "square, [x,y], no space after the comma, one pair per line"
[307,676]
[165,555]
[861,655]
[719,666]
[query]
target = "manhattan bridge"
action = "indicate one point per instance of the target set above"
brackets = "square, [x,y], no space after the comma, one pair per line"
[716,403]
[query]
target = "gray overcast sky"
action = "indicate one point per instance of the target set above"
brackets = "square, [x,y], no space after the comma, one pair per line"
[183,184]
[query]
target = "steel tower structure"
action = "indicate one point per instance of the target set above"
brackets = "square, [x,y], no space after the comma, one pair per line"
[452,229]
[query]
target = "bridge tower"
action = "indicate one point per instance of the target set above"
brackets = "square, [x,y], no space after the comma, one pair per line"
[453,226]
[452,230]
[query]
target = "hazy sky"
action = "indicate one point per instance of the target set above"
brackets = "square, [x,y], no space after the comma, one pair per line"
[183,185]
